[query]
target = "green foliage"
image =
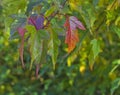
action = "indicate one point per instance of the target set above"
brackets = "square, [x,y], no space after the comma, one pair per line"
[115,85]
[92,68]
[116,30]
[53,45]
[95,47]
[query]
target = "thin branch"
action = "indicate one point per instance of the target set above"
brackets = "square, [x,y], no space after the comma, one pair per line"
[54,14]
[100,24]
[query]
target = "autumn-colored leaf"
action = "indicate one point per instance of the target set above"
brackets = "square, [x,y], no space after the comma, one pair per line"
[21,50]
[37,70]
[72,23]
[21,32]
[36,21]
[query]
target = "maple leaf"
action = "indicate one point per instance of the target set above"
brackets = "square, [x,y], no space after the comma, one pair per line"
[72,23]
[36,21]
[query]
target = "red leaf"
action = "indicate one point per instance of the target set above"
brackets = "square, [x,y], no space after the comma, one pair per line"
[37,70]
[21,31]
[21,50]
[72,38]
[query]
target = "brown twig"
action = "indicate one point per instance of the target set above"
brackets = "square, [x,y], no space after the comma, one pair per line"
[54,14]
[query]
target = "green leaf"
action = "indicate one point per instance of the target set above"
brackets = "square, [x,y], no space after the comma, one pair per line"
[94,52]
[54,44]
[91,60]
[43,34]
[14,7]
[30,31]
[95,47]
[35,44]
[115,85]
[50,11]
[58,26]
[30,28]
[117,22]
[95,2]
[35,48]
[44,51]
[116,30]
[88,14]
[57,4]
[116,62]
[90,91]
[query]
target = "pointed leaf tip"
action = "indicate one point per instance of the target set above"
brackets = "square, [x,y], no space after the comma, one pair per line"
[21,50]
[75,23]
[21,32]
[37,70]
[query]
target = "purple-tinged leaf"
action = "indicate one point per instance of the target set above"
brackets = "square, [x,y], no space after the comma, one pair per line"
[21,50]
[74,23]
[39,22]
[72,37]
[32,19]
[21,22]
[36,21]
[21,32]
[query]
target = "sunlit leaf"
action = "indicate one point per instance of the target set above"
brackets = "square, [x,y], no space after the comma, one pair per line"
[54,44]
[74,4]
[50,11]
[115,85]
[36,49]
[95,47]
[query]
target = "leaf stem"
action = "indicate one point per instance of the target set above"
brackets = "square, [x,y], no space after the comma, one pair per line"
[54,14]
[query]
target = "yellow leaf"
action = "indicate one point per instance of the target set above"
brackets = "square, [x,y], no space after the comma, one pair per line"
[82,69]
[74,4]
[69,62]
